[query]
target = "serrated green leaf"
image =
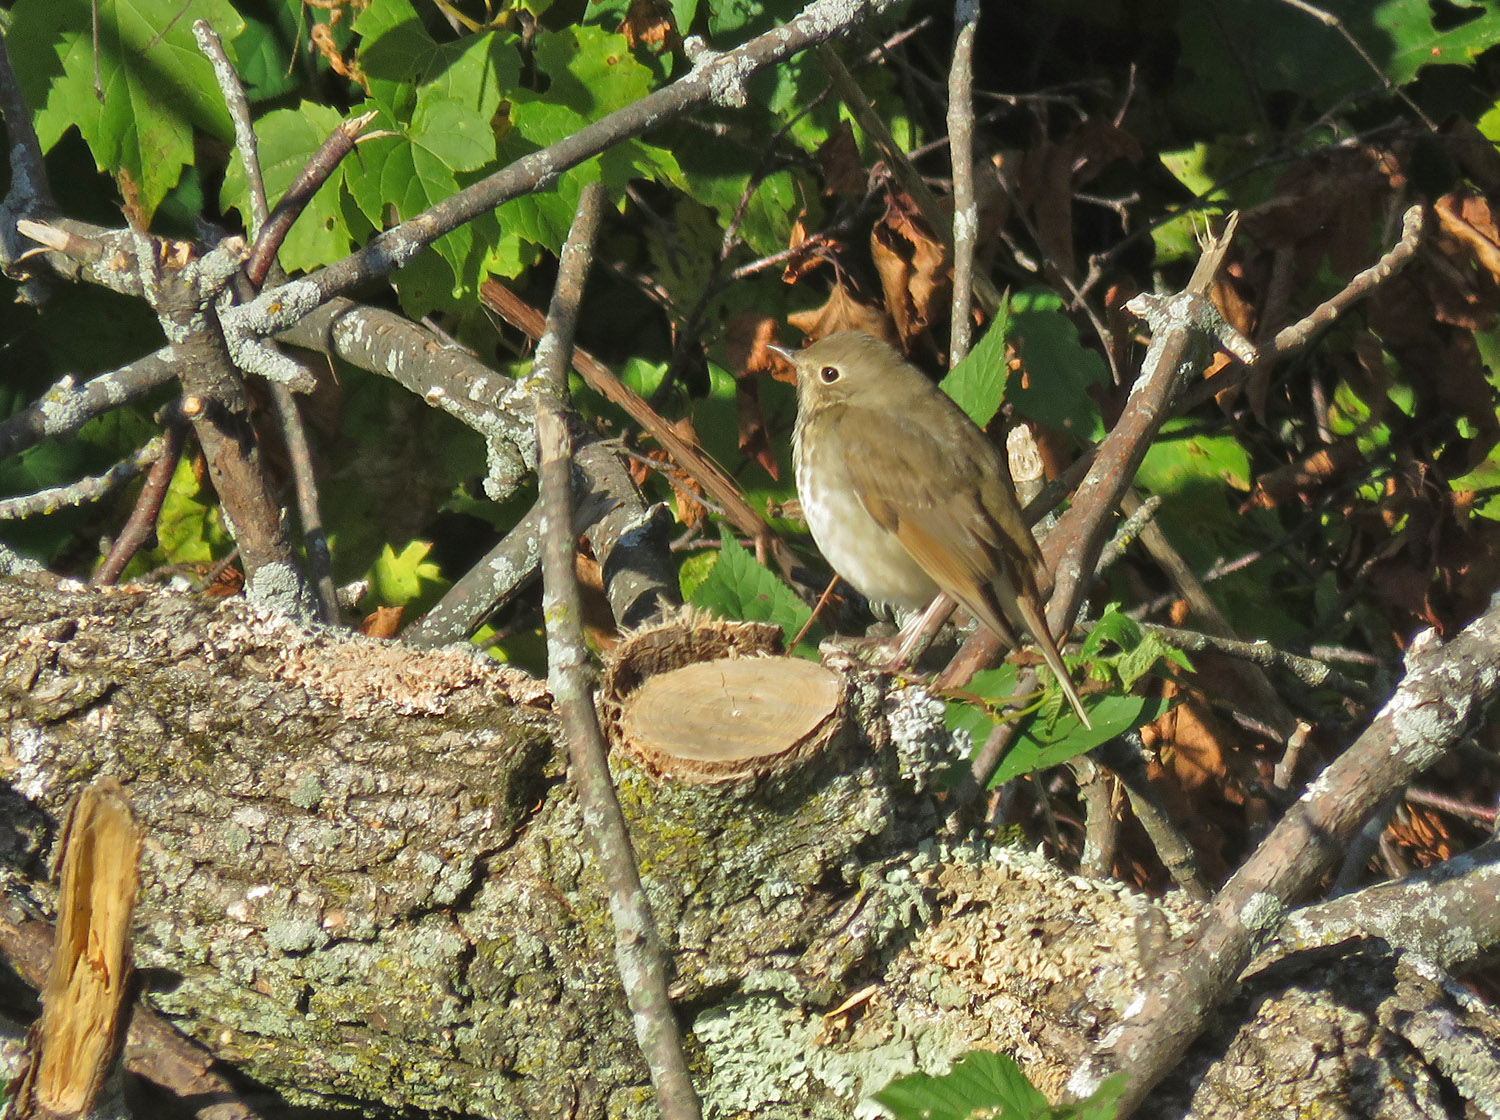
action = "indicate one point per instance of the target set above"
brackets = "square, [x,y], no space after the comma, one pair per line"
[155,85]
[738,587]
[1251,49]
[977,383]
[1174,465]
[981,1083]
[590,72]
[399,579]
[1048,740]
[694,570]
[1058,369]
[263,62]
[440,101]
[287,138]
[188,530]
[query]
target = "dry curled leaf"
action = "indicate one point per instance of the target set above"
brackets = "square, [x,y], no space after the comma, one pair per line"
[651,25]
[842,312]
[913,267]
[838,158]
[690,508]
[382,622]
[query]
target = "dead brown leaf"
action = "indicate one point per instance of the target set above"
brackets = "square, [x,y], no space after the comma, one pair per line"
[992,195]
[1045,191]
[1306,477]
[1195,777]
[811,251]
[1096,143]
[1423,835]
[651,25]
[755,440]
[913,267]
[1326,207]
[838,158]
[598,618]
[746,343]
[691,511]
[1426,322]
[382,622]
[1468,218]
[229,581]
[842,312]
[1474,152]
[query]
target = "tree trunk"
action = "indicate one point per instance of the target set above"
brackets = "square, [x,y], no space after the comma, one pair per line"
[365,882]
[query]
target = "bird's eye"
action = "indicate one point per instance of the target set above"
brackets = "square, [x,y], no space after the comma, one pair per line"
[829,374]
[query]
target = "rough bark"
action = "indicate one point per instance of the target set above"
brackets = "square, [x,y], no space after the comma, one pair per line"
[364,884]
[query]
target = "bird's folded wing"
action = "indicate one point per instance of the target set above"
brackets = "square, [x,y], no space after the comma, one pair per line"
[936,511]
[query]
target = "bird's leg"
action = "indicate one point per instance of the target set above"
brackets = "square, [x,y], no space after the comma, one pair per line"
[919,630]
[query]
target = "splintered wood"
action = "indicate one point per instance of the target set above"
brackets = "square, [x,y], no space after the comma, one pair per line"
[75,1042]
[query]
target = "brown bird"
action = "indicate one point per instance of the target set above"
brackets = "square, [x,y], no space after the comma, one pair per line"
[906,496]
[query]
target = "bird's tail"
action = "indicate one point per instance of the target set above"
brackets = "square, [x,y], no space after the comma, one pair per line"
[1036,623]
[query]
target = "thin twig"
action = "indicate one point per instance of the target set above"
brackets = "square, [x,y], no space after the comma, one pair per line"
[1444,695]
[142,520]
[238,105]
[85,489]
[1310,672]
[693,460]
[961,154]
[314,536]
[320,165]
[1327,19]
[638,948]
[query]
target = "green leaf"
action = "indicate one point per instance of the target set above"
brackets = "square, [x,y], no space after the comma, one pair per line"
[155,85]
[287,138]
[1485,481]
[738,587]
[264,62]
[188,530]
[440,100]
[1251,49]
[1174,465]
[590,72]
[732,21]
[400,579]
[977,383]
[683,12]
[981,1083]
[1047,740]
[1058,369]
[1141,650]
[1053,734]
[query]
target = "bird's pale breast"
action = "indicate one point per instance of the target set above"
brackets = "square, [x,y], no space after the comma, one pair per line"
[860,550]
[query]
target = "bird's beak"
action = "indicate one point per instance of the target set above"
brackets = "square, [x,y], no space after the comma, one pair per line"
[782,352]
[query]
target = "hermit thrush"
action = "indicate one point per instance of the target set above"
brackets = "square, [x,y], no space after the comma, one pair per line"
[906,496]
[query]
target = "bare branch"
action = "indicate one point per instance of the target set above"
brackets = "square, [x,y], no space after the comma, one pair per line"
[1444,695]
[85,489]
[233,93]
[142,520]
[638,948]
[961,154]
